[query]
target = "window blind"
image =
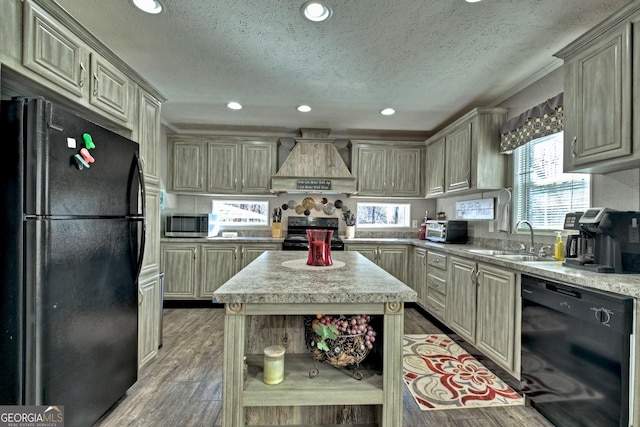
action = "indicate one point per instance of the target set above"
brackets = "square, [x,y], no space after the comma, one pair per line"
[543,194]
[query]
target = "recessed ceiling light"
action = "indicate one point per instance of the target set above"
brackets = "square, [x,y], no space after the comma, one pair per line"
[472,1]
[316,11]
[149,6]
[234,105]
[304,108]
[388,111]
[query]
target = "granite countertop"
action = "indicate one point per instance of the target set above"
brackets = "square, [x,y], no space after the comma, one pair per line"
[624,284]
[267,280]
[242,239]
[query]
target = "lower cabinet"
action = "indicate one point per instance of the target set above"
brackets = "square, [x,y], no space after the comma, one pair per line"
[179,262]
[462,298]
[193,271]
[481,308]
[436,293]
[418,274]
[149,303]
[392,258]
[497,315]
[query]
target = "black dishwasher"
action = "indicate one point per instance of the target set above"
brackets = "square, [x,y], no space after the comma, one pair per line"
[576,353]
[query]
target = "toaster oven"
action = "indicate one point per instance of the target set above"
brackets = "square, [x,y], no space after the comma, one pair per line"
[446,231]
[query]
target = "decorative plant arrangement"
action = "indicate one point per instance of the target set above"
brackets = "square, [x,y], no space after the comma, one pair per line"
[349,218]
[339,341]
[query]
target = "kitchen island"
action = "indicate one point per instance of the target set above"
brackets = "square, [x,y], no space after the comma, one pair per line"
[265,304]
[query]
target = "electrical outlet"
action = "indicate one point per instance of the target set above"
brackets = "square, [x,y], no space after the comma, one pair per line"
[414,223]
[490,226]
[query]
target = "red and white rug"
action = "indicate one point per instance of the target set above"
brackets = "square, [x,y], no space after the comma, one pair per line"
[442,375]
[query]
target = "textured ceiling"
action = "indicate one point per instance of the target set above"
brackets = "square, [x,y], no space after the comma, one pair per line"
[429,59]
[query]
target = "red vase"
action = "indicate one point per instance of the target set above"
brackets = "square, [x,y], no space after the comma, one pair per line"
[319,247]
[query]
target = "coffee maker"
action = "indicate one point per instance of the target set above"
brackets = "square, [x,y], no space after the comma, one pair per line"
[608,241]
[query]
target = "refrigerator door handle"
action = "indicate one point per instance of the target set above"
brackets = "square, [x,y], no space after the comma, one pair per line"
[142,197]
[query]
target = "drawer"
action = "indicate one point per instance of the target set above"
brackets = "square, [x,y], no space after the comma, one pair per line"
[437,283]
[439,297]
[437,260]
[434,307]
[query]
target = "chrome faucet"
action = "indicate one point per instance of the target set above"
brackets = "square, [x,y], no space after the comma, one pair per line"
[524,221]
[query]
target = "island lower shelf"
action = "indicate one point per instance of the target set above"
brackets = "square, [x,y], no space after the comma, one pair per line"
[337,386]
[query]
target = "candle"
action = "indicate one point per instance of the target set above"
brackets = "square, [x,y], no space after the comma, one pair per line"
[273,364]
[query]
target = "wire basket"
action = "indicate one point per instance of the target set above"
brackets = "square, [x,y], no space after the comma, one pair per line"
[344,351]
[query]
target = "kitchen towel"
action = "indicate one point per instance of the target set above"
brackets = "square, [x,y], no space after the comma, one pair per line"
[504,211]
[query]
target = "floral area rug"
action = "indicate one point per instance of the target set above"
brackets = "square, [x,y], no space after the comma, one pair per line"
[442,375]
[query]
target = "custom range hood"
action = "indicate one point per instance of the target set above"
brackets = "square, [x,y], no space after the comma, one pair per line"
[314,166]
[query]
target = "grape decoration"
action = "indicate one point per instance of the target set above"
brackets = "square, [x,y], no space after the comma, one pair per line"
[339,340]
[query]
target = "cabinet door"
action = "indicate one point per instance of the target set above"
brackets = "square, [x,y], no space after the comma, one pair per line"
[458,159]
[218,264]
[178,262]
[394,260]
[151,260]
[109,88]
[53,52]
[187,167]
[419,274]
[372,171]
[406,172]
[148,320]
[496,317]
[148,136]
[222,168]
[369,251]
[461,298]
[598,91]
[435,168]
[258,164]
[253,251]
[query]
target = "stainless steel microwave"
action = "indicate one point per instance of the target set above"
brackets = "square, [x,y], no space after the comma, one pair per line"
[186,225]
[446,231]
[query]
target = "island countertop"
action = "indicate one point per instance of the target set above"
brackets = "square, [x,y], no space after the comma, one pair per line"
[266,280]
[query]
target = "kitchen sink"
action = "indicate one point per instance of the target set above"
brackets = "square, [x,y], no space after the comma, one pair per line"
[492,252]
[523,257]
[511,256]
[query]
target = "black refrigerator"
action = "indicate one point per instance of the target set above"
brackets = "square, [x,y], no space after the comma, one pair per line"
[71,255]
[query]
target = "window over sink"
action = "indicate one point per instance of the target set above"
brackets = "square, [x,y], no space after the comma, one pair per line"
[543,194]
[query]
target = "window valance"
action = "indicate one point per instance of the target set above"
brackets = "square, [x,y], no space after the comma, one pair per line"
[542,120]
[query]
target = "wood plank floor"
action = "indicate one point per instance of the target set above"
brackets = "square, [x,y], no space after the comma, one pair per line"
[183,386]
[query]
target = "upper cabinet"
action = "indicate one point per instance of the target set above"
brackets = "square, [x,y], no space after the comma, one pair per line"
[54,52]
[388,168]
[147,134]
[221,165]
[601,103]
[464,156]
